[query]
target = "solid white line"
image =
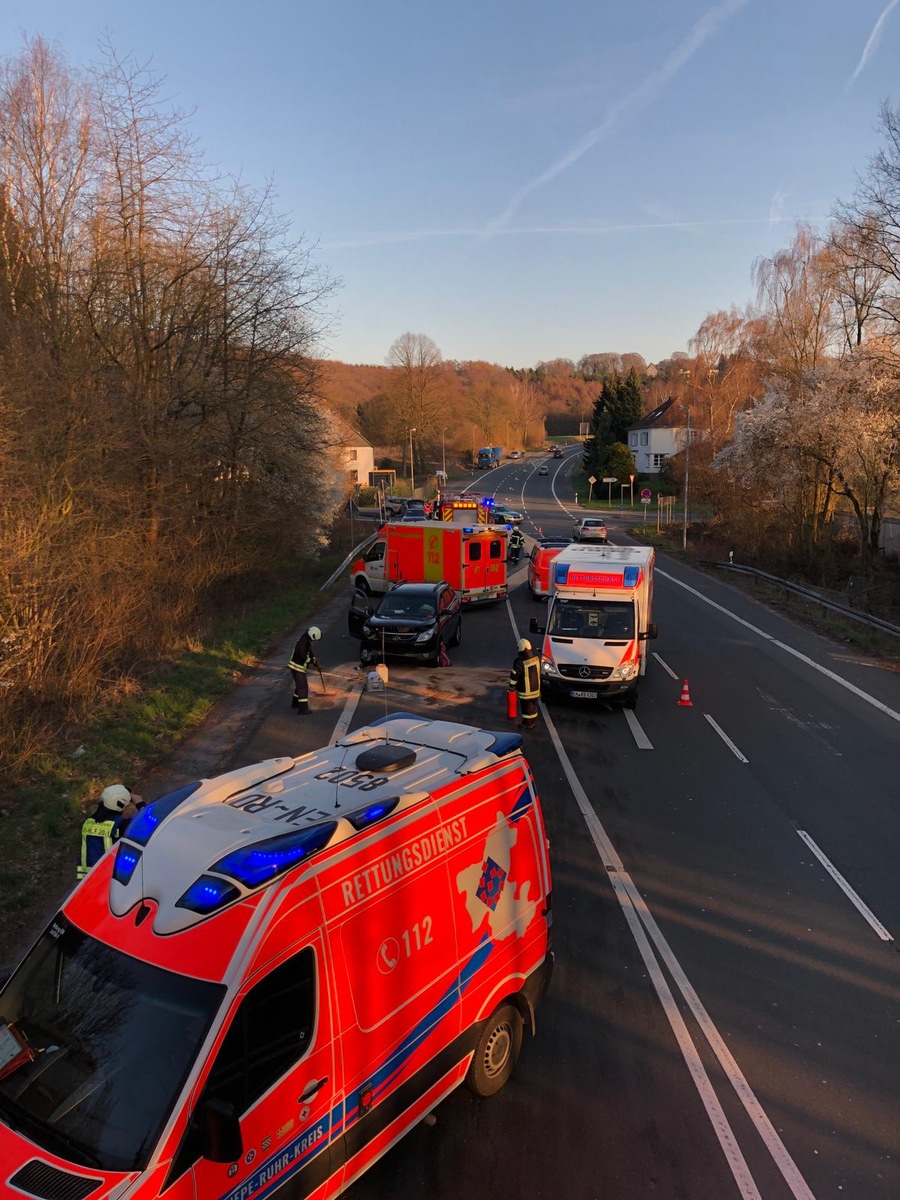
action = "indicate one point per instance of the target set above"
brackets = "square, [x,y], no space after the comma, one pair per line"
[890,712]
[665,666]
[637,731]
[725,738]
[349,709]
[845,887]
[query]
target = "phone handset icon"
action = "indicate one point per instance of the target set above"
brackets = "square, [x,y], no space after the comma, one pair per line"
[388,955]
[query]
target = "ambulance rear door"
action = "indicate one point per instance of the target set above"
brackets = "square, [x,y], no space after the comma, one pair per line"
[485,565]
[274,1069]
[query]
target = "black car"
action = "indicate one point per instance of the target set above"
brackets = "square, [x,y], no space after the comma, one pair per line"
[411,621]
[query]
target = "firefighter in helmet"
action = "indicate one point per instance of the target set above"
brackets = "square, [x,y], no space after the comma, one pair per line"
[106,824]
[516,543]
[525,680]
[301,659]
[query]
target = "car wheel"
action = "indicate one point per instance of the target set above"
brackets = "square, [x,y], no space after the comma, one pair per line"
[362,586]
[497,1051]
[457,637]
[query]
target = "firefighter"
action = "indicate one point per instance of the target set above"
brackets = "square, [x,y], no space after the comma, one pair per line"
[516,542]
[525,680]
[106,824]
[301,659]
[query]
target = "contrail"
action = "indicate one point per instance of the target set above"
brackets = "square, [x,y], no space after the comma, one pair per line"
[871,43]
[640,97]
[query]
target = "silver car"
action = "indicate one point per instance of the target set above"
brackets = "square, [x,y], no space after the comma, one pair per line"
[590,529]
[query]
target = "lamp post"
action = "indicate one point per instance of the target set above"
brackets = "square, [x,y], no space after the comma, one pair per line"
[412,468]
[444,457]
[687,467]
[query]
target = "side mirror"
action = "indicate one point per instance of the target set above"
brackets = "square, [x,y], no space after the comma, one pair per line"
[533,626]
[652,631]
[220,1137]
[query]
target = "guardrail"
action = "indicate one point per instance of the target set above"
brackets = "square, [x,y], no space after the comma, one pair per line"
[809,594]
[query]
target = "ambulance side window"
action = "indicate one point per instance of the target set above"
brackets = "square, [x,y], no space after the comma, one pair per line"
[376,554]
[496,550]
[269,1033]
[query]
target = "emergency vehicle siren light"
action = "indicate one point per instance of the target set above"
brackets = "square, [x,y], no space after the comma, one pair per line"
[127,858]
[207,894]
[364,817]
[148,820]
[631,576]
[260,863]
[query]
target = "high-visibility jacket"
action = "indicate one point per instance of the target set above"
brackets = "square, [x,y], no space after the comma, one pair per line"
[302,656]
[516,540]
[525,676]
[97,835]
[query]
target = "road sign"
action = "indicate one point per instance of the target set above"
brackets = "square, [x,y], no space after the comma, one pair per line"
[645,499]
[645,493]
[592,479]
[610,479]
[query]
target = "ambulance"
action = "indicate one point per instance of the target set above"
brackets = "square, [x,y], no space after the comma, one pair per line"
[598,623]
[278,972]
[471,558]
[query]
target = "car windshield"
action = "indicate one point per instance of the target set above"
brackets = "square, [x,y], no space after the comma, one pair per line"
[419,608]
[110,1042]
[611,620]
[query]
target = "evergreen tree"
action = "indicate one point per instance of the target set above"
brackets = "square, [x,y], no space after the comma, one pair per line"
[629,405]
[601,427]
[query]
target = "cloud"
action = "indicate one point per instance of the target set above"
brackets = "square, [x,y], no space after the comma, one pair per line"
[871,44]
[776,207]
[406,237]
[641,97]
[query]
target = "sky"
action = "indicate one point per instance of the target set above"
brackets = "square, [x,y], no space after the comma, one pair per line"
[519,180]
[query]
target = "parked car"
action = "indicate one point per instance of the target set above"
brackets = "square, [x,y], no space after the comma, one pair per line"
[543,469]
[502,515]
[590,529]
[398,506]
[414,514]
[411,621]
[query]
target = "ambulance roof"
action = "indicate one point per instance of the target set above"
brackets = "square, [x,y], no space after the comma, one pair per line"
[576,552]
[210,844]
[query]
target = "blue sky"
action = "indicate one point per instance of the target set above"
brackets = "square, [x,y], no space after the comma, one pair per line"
[519,180]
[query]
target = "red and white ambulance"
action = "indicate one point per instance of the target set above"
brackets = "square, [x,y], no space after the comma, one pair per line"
[279,971]
[472,559]
[598,623]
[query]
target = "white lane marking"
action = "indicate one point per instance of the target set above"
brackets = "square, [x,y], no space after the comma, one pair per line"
[725,738]
[845,887]
[845,683]
[632,903]
[619,879]
[347,714]
[665,666]
[637,731]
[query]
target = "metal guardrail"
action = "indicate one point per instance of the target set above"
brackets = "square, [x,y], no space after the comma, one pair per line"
[809,594]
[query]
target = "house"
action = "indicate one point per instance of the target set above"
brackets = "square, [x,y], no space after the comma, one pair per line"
[354,454]
[659,435]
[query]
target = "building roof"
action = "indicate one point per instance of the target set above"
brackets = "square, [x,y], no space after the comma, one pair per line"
[655,419]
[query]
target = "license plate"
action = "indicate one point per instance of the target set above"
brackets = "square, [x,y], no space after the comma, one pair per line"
[583,695]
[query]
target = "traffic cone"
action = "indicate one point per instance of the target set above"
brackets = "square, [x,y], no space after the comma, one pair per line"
[685,701]
[511,706]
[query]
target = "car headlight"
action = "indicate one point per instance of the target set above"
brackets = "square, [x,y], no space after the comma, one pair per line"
[625,671]
[548,667]
[426,636]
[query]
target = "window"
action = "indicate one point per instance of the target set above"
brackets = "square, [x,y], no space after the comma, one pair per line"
[376,554]
[270,1032]
[496,550]
[354,476]
[632,439]
[474,551]
[659,459]
[645,438]
[351,454]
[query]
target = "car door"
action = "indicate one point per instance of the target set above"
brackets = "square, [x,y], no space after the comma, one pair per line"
[275,1069]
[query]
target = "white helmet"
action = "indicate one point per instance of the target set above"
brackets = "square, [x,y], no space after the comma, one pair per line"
[116,797]
[524,644]
[315,633]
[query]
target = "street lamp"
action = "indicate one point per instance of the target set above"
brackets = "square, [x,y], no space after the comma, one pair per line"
[412,468]
[443,457]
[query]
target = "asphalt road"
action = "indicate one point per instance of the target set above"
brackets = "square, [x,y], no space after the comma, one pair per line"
[723,1019]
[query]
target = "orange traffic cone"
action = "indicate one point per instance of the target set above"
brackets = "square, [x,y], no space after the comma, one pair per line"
[511,706]
[685,701]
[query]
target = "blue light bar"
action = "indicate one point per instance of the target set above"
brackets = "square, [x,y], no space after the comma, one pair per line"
[148,820]
[468,529]
[488,501]
[127,858]
[561,572]
[364,817]
[260,863]
[630,576]
[207,894]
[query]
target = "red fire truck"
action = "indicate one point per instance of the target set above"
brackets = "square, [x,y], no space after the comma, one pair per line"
[472,559]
